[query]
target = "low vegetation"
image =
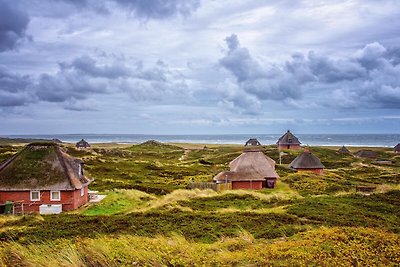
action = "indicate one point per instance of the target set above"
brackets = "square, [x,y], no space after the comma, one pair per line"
[149,218]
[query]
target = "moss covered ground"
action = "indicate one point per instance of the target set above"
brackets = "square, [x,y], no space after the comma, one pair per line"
[149,218]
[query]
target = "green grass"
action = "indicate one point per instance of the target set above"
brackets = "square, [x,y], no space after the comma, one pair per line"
[308,219]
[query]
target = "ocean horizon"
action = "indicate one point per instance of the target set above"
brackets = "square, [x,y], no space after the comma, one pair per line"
[369,140]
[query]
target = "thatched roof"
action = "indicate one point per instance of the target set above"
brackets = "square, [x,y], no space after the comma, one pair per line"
[344,150]
[366,154]
[41,166]
[56,140]
[249,166]
[306,160]
[82,143]
[253,142]
[397,148]
[288,139]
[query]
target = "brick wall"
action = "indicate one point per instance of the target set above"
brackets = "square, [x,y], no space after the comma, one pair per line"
[246,185]
[69,199]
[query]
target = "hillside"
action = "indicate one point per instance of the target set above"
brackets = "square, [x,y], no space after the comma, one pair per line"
[149,217]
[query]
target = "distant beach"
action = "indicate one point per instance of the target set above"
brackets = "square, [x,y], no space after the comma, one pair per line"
[358,140]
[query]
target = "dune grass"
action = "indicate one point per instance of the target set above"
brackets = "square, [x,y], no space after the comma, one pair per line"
[319,247]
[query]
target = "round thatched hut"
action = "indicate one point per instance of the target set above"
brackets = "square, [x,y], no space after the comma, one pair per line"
[251,170]
[397,148]
[253,142]
[343,150]
[82,144]
[369,154]
[288,141]
[306,161]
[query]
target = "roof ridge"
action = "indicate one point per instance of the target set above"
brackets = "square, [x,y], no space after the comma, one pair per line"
[63,165]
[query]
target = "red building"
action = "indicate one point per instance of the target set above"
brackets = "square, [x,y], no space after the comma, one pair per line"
[251,170]
[306,161]
[288,141]
[43,176]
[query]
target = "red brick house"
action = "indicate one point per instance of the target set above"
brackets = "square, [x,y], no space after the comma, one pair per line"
[251,170]
[306,161]
[288,141]
[42,175]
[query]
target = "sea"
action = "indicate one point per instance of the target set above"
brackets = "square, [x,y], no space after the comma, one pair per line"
[358,140]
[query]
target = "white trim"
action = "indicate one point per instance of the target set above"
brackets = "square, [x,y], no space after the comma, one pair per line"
[82,191]
[34,191]
[55,199]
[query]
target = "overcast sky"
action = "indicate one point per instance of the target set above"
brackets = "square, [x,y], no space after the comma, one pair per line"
[199,66]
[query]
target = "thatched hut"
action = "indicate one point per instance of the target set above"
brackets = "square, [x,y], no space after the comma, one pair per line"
[253,142]
[82,144]
[251,170]
[43,176]
[56,140]
[397,148]
[343,150]
[288,141]
[306,161]
[369,154]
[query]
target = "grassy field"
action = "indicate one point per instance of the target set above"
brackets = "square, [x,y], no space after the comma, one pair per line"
[149,218]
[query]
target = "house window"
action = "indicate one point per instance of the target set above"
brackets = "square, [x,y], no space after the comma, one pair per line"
[55,195]
[35,195]
[82,191]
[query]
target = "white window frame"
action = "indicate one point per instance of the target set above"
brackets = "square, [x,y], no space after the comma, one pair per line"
[82,191]
[34,191]
[55,199]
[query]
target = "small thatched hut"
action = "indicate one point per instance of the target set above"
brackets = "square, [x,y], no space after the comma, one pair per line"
[253,142]
[288,141]
[56,140]
[369,154]
[343,150]
[397,148]
[82,144]
[42,175]
[306,161]
[251,170]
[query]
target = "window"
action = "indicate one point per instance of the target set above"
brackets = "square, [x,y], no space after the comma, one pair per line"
[82,191]
[35,195]
[55,195]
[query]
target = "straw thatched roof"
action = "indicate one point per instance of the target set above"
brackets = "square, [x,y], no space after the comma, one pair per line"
[249,166]
[56,140]
[288,139]
[344,150]
[397,148]
[82,144]
[253,142]
[366,154]
[42,166]
[306,160]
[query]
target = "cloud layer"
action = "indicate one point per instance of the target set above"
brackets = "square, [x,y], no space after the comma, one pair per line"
[181,66]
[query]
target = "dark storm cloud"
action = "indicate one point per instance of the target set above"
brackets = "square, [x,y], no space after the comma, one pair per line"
[369,78]
[142,9]
[13,24]
[12,82]
[159,9]
[14,88]
[85,77]
[87,65]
